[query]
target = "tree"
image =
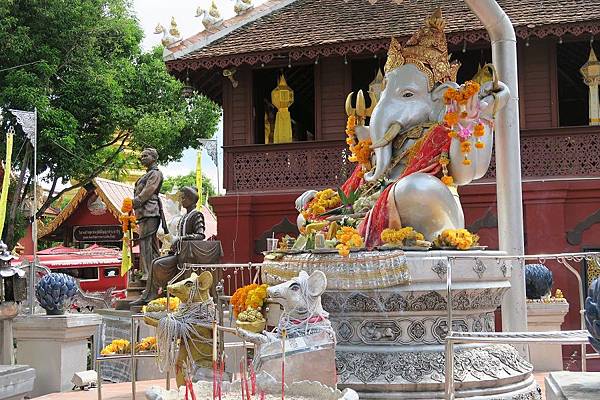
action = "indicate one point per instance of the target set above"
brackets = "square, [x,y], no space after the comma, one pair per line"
[79,62]
[208,189]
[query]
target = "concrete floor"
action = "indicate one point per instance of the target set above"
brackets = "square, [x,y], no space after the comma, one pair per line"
[122,391]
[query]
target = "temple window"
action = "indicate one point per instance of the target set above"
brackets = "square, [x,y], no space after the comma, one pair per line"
[364,70]
[573,93]
[297,88]
[470,61]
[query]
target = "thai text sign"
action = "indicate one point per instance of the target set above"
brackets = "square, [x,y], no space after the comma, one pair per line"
[98,233]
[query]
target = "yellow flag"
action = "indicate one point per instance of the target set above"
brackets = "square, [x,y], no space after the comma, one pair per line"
[6,180]
[126,253]
[199,179]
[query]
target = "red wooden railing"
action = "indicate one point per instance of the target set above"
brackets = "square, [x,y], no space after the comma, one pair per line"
[569,152]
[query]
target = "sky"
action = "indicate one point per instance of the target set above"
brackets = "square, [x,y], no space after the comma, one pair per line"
[149,14]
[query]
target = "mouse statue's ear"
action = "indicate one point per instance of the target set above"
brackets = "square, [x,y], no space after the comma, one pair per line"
[317,283]
[205,280]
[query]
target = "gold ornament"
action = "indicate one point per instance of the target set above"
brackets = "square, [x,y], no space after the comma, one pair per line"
[427,50]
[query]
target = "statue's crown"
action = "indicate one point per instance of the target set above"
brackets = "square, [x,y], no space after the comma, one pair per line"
[427,49]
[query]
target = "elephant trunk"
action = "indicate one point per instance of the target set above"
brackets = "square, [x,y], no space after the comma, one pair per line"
[382,145]
[383,157]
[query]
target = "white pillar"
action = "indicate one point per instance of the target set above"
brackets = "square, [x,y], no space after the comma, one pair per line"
[56,346]
[508,157]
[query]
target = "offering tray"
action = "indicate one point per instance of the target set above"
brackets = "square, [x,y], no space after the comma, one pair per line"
[359,270]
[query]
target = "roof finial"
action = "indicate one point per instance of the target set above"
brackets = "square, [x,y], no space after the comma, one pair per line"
[241,6]
[210,18]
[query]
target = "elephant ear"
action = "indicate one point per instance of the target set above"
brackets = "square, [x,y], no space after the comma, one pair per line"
[438,107]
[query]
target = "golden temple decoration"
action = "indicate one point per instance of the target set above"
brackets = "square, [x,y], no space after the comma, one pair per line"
[282,98]
[214,11]
[377,85]
[174,30]
[268,129]
[427,50]
[483,75]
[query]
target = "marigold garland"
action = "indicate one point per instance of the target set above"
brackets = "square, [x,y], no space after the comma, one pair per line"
[461,239]
[361,151]
[348,238]
[458,120]
[147,344]
[127,205]
[324,200]
[117,346]
[444,161]
[127,219]
[256,297]
[160,304]
[400,236]
[249,296]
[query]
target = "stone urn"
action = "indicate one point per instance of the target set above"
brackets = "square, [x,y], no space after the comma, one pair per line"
[388,309]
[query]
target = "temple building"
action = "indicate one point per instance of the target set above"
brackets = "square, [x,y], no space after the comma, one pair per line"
[291,63]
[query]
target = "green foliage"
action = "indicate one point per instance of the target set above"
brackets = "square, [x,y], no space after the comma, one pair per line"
[208,189]
[92,86]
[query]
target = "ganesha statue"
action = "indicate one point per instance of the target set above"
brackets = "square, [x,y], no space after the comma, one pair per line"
[426,136]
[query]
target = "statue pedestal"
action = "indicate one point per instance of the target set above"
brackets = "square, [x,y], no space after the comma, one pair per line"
[56,346]
[390,327]
[134,291]
[565,385]
[15,381]
[546,317]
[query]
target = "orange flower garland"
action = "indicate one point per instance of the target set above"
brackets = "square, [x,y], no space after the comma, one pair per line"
[348,238]
[238,300]
[361,151]
[458,120]
[128,220]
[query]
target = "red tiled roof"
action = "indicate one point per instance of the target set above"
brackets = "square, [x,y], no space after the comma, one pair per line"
[112,194]
[314,23]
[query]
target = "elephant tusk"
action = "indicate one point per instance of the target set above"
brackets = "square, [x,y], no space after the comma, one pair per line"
[349,110]
[390,134]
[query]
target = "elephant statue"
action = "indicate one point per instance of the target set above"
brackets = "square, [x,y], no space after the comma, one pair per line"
[414,144]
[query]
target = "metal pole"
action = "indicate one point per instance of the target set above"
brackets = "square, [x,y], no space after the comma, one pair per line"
[133,360]
[449,373]
[508,156]
[34,231]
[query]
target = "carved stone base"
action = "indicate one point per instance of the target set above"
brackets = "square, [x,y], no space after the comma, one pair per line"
[491,372]
[390,336]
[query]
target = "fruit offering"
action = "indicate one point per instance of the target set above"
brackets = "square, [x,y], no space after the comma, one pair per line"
[250,315]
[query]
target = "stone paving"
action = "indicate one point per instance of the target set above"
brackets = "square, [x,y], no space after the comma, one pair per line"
[122,391]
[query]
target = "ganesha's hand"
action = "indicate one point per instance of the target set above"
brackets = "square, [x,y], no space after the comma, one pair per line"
[492,100]
[304,198]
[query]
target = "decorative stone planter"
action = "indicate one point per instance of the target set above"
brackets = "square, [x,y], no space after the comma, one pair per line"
[546,317]
[56,346]
[390,337]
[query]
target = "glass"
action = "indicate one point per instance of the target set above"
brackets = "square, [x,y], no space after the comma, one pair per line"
[272,244]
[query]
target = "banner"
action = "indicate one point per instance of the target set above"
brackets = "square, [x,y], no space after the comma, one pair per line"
[6,178]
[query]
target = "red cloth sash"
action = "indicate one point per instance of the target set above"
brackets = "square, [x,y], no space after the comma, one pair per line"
[425,159]
[311,320]
[354,181]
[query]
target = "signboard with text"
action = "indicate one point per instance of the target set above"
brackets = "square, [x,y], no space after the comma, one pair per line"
[97,233]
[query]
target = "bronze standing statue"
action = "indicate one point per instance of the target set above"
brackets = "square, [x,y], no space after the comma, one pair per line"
[148,211]
[190,230]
